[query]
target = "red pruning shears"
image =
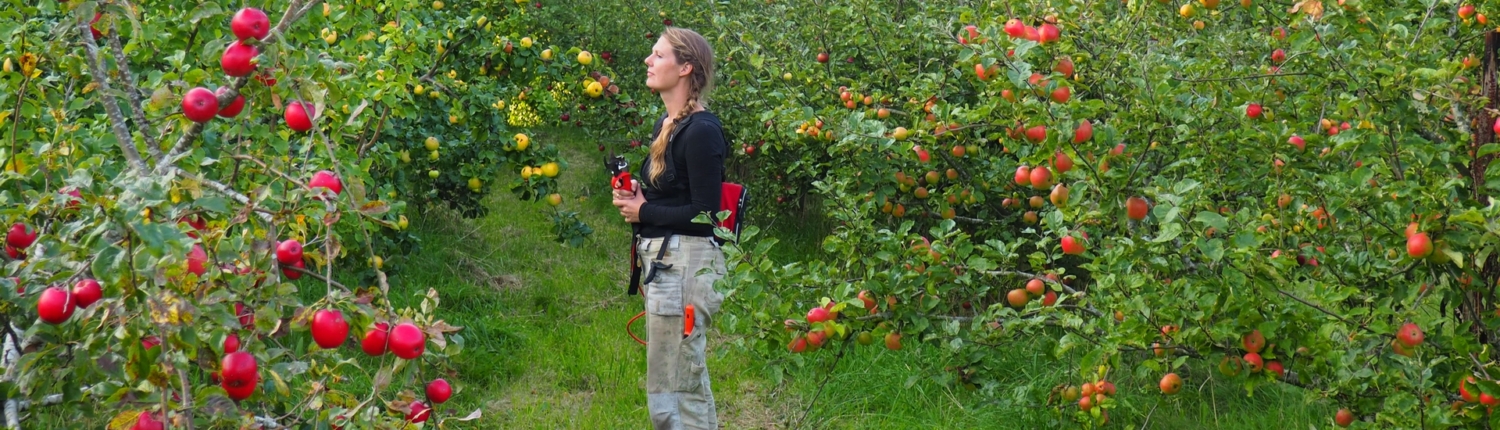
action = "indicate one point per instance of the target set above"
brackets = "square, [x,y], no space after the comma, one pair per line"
[620,170]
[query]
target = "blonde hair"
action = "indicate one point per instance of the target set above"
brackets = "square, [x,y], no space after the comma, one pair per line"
[688,47]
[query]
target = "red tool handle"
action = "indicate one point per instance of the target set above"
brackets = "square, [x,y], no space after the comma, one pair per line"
[622,182]
[687,320]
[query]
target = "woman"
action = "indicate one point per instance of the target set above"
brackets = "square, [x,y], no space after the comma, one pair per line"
[681,178]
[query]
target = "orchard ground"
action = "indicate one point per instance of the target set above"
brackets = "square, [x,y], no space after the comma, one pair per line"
[546,347]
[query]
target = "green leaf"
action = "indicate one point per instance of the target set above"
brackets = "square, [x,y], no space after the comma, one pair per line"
[1212,220]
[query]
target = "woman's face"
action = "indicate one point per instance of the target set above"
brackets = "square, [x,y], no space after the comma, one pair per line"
[662,70]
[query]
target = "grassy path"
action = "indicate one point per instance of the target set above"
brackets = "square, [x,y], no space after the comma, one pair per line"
[544,323]
[546,347]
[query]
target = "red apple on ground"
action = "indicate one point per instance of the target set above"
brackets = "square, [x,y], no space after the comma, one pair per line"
[822,57]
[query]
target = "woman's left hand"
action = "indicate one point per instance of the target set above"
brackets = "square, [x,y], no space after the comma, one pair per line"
[630,208]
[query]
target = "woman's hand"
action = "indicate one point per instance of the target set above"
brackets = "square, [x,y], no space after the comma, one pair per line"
[630,203]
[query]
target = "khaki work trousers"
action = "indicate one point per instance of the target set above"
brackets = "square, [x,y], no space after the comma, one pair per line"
[677,384]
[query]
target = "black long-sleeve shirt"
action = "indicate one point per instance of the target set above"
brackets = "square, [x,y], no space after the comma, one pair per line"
[692,182]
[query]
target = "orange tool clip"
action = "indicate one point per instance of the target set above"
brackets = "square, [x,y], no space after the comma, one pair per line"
[687,320]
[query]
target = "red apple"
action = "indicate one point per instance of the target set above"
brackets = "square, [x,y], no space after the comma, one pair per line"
[419,413]
[1064,66]
[1062,162]
[289,251]
[245,314]
[291,272]
[55,305]
[1463,390]
[231,343]
[1014,28]
[1061,94]
[798,345]
[197,260]
[1036,133]
[1253,110]
[375,339]
[1466,11]
[1049,299]
[407,341]
[200,105]
[250,23]
[147,421]
[326,179]
[239,374]
[1072,246]
[1048,33]
[239,59]
[1041,177]
[234,108]
[1136,208]
[1253,341]
[1254,362]
[817,315]
[822,57]
[1275,368]
[1084,131]
[1418,245]
[1409,335]
[1170,384]
[1023,176]
[19,237]
[86,292]
[1297,141]
[1278,56]
[329,329]
[1343,418]
[298,116]
[438,391]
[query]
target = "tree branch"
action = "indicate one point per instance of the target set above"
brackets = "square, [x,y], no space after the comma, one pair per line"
[133,93]
[111,106]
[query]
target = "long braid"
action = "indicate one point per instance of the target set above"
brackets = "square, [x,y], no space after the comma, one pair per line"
[659,146]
